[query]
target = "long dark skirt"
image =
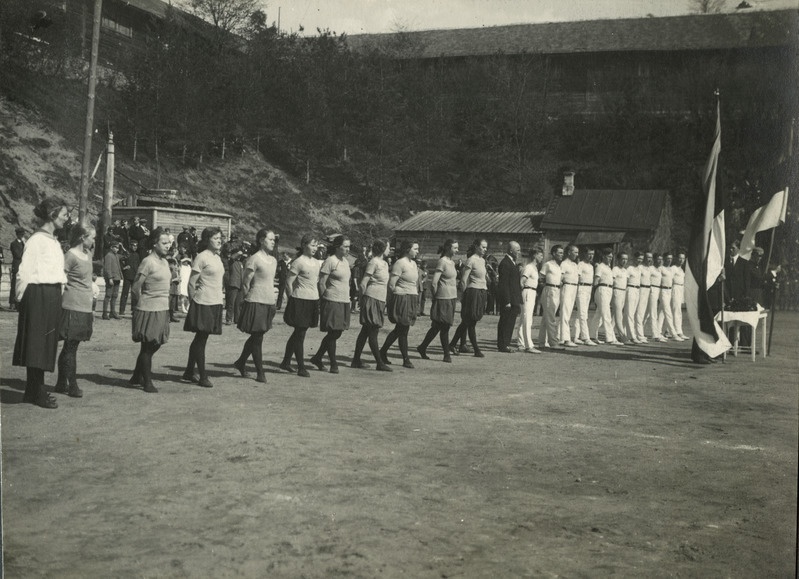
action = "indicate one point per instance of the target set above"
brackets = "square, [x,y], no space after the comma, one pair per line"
[474,304]
[201,318]
[372,312]
[150,326]
[76,326]
[301,313]
[443,311]
[256,318]
[403,309]
[334,316]
[37,327]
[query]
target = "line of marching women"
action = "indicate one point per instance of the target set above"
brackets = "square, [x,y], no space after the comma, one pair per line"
[54,292]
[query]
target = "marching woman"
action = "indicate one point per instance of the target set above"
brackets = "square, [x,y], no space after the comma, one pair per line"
[151,315]
[38,294]
[403,303]
[76,304]
[445,296]
[334,306]
[473,278]
[205,302]
[374,286]
[302,309]
[258,311]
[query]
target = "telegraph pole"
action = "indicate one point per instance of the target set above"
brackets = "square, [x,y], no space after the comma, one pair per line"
[83,196]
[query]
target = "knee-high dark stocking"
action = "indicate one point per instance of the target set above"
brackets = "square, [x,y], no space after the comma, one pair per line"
[146,366]
[431,333]
[473,337]
[360,342]
[374,345]
[390,339]
[289,349]
[197,354]
[331,346]
[299,347]
[460,336]
[256,346]
[137,371]
[444,336]
[402,335]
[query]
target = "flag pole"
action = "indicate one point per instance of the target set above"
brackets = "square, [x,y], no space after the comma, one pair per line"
[724,261]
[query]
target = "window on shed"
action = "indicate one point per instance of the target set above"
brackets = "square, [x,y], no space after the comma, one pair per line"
[117,27]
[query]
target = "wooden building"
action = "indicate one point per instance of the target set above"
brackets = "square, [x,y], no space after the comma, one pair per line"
[628,220]
[431,228]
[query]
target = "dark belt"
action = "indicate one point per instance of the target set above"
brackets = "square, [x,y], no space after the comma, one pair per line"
[530,288]
[568,283]
[604,285]
[551,285]
[632,286]
[621,289]
[581,283]
[665,287]
[646,286]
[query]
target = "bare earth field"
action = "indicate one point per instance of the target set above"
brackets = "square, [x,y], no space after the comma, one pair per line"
[609,461]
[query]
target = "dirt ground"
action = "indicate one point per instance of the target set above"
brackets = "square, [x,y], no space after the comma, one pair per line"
[609,461]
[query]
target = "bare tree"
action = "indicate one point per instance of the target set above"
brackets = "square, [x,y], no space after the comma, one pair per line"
[707,6]
[231,16]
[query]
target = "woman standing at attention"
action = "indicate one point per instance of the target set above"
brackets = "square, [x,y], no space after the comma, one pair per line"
[76,303]
[403,305]
[302,310]
[473,278]
[38,295]
[374,286]
[334,306]
[258,311]
[445,296]
[205,302]
[151,315]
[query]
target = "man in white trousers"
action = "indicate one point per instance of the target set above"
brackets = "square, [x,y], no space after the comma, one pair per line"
[654,297]
[568,293]
[643,297]
[585,284]
[529,292]
[550,299]
[665,317]
[603,282]
[631,301]
[678,293]
[620,277]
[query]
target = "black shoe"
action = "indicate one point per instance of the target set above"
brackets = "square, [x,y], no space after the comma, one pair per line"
[357,364]
[407,364]
[464,350]
[46,401]
[447,359]
[454,351]
[189,377]
[287,367]
[241,367]
[383,368]
[318,363]
[384,358]
[506,350]
[261,378]
[422,353]
[334,369]
[150,389]
[479,354]
[304,373]
[74,391]
[116,317]
[205,383]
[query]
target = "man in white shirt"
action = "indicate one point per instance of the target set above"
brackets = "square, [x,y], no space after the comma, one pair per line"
[664,307]
[654,296]
[643,297]
[568,293]
[620,276]
[585,283]
[603,282]
[632,298]
[529,292]
[550,299]
[678,293]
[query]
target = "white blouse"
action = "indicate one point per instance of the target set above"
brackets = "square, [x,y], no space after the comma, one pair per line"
[42,263]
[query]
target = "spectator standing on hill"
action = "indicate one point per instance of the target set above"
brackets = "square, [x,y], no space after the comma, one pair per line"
[77,319]
[112,273]
[38,296]
[17,249]
[130,265]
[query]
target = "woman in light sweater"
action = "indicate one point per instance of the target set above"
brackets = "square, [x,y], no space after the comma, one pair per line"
[374,286]
[473,280]
[258,311]
[445,296]
[334,305]
[403,303]
[151,314]
[76,303]
[38,294]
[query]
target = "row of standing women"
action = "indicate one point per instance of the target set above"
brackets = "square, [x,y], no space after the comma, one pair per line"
[55,299]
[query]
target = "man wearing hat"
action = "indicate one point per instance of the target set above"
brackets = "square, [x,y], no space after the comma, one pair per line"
[17,249]
[112,272]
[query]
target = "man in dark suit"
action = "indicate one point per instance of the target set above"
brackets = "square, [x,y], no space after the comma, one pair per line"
[736,274]
[17,249]
[509,296]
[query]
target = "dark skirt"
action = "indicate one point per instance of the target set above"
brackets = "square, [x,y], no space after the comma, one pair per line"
[443,311]
[301,313]
[256,318]
[474,304]
[207,319]
[403,308]
[150,326]
[75,325]
[372,312]
[334,316]
[37,327]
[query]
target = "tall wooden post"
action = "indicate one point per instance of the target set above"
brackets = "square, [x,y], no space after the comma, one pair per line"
[108,197]
[83,197]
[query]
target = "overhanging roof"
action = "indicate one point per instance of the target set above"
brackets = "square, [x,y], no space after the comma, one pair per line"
[606,210]
[747,29]
[518,222]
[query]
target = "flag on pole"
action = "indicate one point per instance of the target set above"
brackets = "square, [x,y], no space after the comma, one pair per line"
[766,217]
[705,259]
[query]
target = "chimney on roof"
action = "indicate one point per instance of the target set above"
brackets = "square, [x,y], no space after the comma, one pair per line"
[568,184]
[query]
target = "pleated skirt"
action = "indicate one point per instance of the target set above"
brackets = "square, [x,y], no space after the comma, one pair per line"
[150,326]
[334,316]
[256,318]
[443,311]
[76,325]
[474,304]
[372,312]
[301,313]
[403,309]
[37,327]
[202,318]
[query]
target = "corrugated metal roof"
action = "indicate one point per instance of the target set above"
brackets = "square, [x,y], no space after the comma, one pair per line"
[749,29]
[523,222]
[606,210]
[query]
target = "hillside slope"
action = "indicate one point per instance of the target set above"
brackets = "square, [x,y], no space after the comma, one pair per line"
[35,160]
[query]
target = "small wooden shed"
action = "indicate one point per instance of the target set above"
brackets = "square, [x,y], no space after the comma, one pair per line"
[164,208]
